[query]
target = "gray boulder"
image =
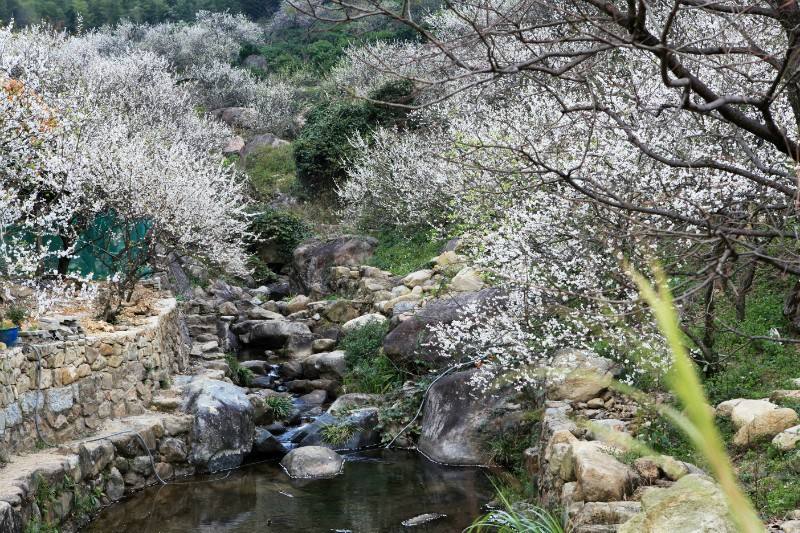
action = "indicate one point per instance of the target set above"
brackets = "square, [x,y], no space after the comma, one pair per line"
[312,261]
[460,419]
[362,422]
[261,141]
[354,400]
[312,462]
[694,504]
[272,334]
[237,117]
[265,443]
[406,343]
[222,433]
[329,365]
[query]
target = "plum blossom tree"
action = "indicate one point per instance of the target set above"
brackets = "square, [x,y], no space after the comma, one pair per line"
[111,141]
[569,137]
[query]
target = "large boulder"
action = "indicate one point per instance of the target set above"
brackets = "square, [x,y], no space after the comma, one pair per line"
[756,420]
[354,400]
[223,429]
[410,341]
[271,334]
[327,365]
[312,462]
[600,476]
[363,320]
[694,504]
[459,419]
[765,425]
[312,261]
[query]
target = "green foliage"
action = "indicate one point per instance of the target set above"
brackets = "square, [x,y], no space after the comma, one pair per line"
[318,49]
[508,446]
[517,517]
[323,147]
[271,169]
[95,13]
[771,479]
[368,369]
[86,501]
[16,315]
[279,407]
[404,252]
[239,375]
[697,419]
[262,273]
[277,234]
[337,434]
[754,368]
[401,408]
[663,437]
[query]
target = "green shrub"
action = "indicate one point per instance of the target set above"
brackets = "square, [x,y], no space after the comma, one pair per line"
[295,49]
[262,273]
[403,252]
[277,233]
[517,517]
[279,407]
[337,434]
[239,375]
[323,147]
[754,368]
[368,369]
[16,315]
[271,169]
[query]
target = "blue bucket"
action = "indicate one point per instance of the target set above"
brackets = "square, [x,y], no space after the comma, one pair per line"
[9,336]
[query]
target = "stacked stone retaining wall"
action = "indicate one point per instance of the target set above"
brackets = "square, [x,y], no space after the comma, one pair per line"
[52,392]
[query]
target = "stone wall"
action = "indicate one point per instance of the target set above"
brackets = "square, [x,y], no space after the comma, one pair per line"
[67,388]
[59,489]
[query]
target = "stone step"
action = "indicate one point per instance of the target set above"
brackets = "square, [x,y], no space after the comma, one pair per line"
[204,347]
[195,331]
[165,403]
[193,320]
[212,356]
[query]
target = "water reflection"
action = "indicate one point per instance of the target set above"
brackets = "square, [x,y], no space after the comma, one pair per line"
[375,493]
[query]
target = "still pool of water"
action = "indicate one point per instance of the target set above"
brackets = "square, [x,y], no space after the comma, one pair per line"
[376,492]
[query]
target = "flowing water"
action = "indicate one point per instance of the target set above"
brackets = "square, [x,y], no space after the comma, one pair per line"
[377,491]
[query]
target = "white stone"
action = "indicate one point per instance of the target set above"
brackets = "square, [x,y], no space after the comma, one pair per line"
[787,439]
[467,280]
[417,278]
[363,320]
[746,411]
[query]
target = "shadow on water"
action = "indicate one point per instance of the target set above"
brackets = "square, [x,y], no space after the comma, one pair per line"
[376,492]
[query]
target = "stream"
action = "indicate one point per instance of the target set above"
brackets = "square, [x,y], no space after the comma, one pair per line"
[377,491]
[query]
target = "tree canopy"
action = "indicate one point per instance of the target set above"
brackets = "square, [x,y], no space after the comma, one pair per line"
[95,13]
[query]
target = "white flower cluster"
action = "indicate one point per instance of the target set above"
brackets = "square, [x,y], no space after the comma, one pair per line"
[558,181]
[87,135]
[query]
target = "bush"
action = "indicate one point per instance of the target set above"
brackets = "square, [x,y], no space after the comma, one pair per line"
[271,169]
[337,434]
[323,148]
[277,234]
[279,407]
[368,369]
[262,273]
[239,375]
[404,252]
[16,315]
